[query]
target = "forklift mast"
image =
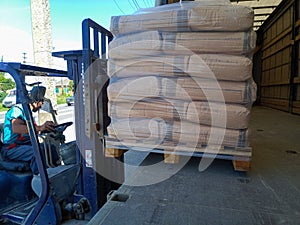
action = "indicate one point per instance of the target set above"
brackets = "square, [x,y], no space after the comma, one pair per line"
[87,68]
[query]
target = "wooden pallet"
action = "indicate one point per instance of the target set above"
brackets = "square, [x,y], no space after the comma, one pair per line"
[240,156]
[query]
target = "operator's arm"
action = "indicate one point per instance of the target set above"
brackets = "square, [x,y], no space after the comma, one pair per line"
[19,126]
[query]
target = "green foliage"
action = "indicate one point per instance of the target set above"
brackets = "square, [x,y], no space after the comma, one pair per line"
[6,83]
[2,95]
[61,99]
[71,85]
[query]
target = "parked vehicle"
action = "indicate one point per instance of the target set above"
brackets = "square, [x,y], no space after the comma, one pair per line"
[10,99]
[70,100]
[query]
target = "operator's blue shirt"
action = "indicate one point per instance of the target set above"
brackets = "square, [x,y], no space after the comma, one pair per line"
[11,139]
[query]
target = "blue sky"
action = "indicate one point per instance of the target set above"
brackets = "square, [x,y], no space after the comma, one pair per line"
[66,18]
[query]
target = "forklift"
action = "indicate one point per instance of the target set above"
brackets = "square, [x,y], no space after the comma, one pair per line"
[73,192]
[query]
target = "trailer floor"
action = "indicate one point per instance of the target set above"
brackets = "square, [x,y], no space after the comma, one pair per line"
[268,194]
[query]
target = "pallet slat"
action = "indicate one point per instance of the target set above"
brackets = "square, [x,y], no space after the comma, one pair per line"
[238,151]
[240,156]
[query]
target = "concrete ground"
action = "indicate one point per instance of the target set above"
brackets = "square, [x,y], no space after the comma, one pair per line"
[268,194]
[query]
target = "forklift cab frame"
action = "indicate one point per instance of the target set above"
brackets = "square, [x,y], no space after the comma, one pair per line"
[39,208]
[90,142]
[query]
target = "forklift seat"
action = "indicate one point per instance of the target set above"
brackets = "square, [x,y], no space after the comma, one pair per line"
[11,165]
[14,165]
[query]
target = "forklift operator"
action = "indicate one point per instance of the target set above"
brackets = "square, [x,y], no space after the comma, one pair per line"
[16,140]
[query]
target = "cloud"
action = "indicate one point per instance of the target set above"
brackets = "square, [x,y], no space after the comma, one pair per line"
[66,45]
[15,42]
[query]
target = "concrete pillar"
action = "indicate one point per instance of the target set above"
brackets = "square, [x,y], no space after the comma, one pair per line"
[42,43]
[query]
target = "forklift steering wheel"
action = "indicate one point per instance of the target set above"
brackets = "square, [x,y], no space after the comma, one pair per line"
[60,128]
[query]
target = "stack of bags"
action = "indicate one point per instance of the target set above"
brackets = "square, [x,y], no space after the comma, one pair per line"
[181,74]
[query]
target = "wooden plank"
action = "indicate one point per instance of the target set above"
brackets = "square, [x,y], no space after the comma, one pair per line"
[297,23]
[170,157]
[297,80]
[296,107]
[276,103]
[297,38]
[272,52]
[284,82]
[113,152]
[296,111]
[296,104]
[241,165]
[279,37]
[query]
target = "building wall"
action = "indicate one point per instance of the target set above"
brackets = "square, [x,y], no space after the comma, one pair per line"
[278,59]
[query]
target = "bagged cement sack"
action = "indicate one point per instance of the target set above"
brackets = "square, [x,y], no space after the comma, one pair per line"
[210,66]
[131,89]
[149,108]
[156,43]
[196,89]
[204,113]
[187,16]
[182,88]
[237,116]
[187,133]
[144,131]
[158,132]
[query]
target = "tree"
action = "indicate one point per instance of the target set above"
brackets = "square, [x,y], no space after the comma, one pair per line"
[6,83]
[71,86]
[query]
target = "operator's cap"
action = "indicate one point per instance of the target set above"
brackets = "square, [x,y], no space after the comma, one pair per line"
[37,93]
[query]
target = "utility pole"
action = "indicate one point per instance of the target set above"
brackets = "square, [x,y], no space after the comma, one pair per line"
[24,57]
[42,43]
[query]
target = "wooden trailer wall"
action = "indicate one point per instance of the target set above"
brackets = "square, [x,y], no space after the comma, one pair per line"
[276,61]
